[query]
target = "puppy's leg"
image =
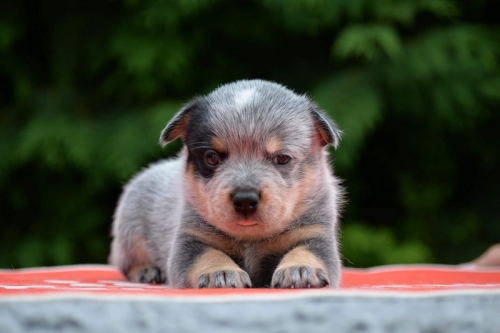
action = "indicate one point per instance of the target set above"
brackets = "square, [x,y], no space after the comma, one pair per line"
[214,269]
[198,265]
[133,259]
[312,263]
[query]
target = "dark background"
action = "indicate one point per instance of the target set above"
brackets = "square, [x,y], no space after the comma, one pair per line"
[86,87]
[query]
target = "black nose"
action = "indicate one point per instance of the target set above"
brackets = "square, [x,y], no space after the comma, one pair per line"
[245,202]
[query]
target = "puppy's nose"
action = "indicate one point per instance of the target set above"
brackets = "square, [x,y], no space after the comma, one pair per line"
[245,202]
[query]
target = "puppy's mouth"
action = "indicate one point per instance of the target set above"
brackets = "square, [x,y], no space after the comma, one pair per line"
[246,223]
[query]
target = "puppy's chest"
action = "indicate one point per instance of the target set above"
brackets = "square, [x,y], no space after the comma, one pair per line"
[259,263]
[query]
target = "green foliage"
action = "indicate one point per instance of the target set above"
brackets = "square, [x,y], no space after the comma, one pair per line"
[368,41]
[87,87]
[365,246]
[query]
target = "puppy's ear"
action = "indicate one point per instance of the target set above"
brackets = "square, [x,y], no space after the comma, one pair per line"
[328,131]
[176,127]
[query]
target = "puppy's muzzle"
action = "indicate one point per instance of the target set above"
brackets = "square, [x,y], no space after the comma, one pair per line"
[245,202]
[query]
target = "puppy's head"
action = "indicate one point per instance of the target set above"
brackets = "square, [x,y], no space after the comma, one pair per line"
[255,157]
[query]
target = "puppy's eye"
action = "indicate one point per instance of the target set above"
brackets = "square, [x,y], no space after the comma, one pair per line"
[212,158]
[281,159]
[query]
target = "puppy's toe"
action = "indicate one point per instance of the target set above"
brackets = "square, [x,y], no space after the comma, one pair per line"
[299,277]
[225,279]
[150,275]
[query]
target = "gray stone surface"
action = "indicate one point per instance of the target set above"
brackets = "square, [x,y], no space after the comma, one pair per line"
[363,313]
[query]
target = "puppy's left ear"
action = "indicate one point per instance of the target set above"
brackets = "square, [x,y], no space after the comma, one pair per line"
[176,127]
[328,131]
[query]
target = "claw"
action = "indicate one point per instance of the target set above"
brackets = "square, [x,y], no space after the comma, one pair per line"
[299,277]
[224,279]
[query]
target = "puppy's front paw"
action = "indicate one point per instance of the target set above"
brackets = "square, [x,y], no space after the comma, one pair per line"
[225,279]
[299,277]
[149,274]
[215,269]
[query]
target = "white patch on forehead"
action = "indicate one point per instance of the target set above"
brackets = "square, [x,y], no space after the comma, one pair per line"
[242,98]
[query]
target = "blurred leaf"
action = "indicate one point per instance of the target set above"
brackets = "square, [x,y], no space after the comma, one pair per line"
[356,107]
[10,31]
[367,41]
[411,252]
[364,246]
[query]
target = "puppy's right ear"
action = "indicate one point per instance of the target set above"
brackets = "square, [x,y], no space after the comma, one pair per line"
[176,127]
[328,130]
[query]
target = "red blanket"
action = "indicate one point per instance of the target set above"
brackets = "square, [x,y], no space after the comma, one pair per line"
[102,279]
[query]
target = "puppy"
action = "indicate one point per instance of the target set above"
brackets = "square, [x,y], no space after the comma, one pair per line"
[250,201]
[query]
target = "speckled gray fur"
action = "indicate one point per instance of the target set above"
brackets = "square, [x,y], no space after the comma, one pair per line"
[248,124]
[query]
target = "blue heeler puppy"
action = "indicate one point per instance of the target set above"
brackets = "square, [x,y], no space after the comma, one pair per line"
[250,201]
